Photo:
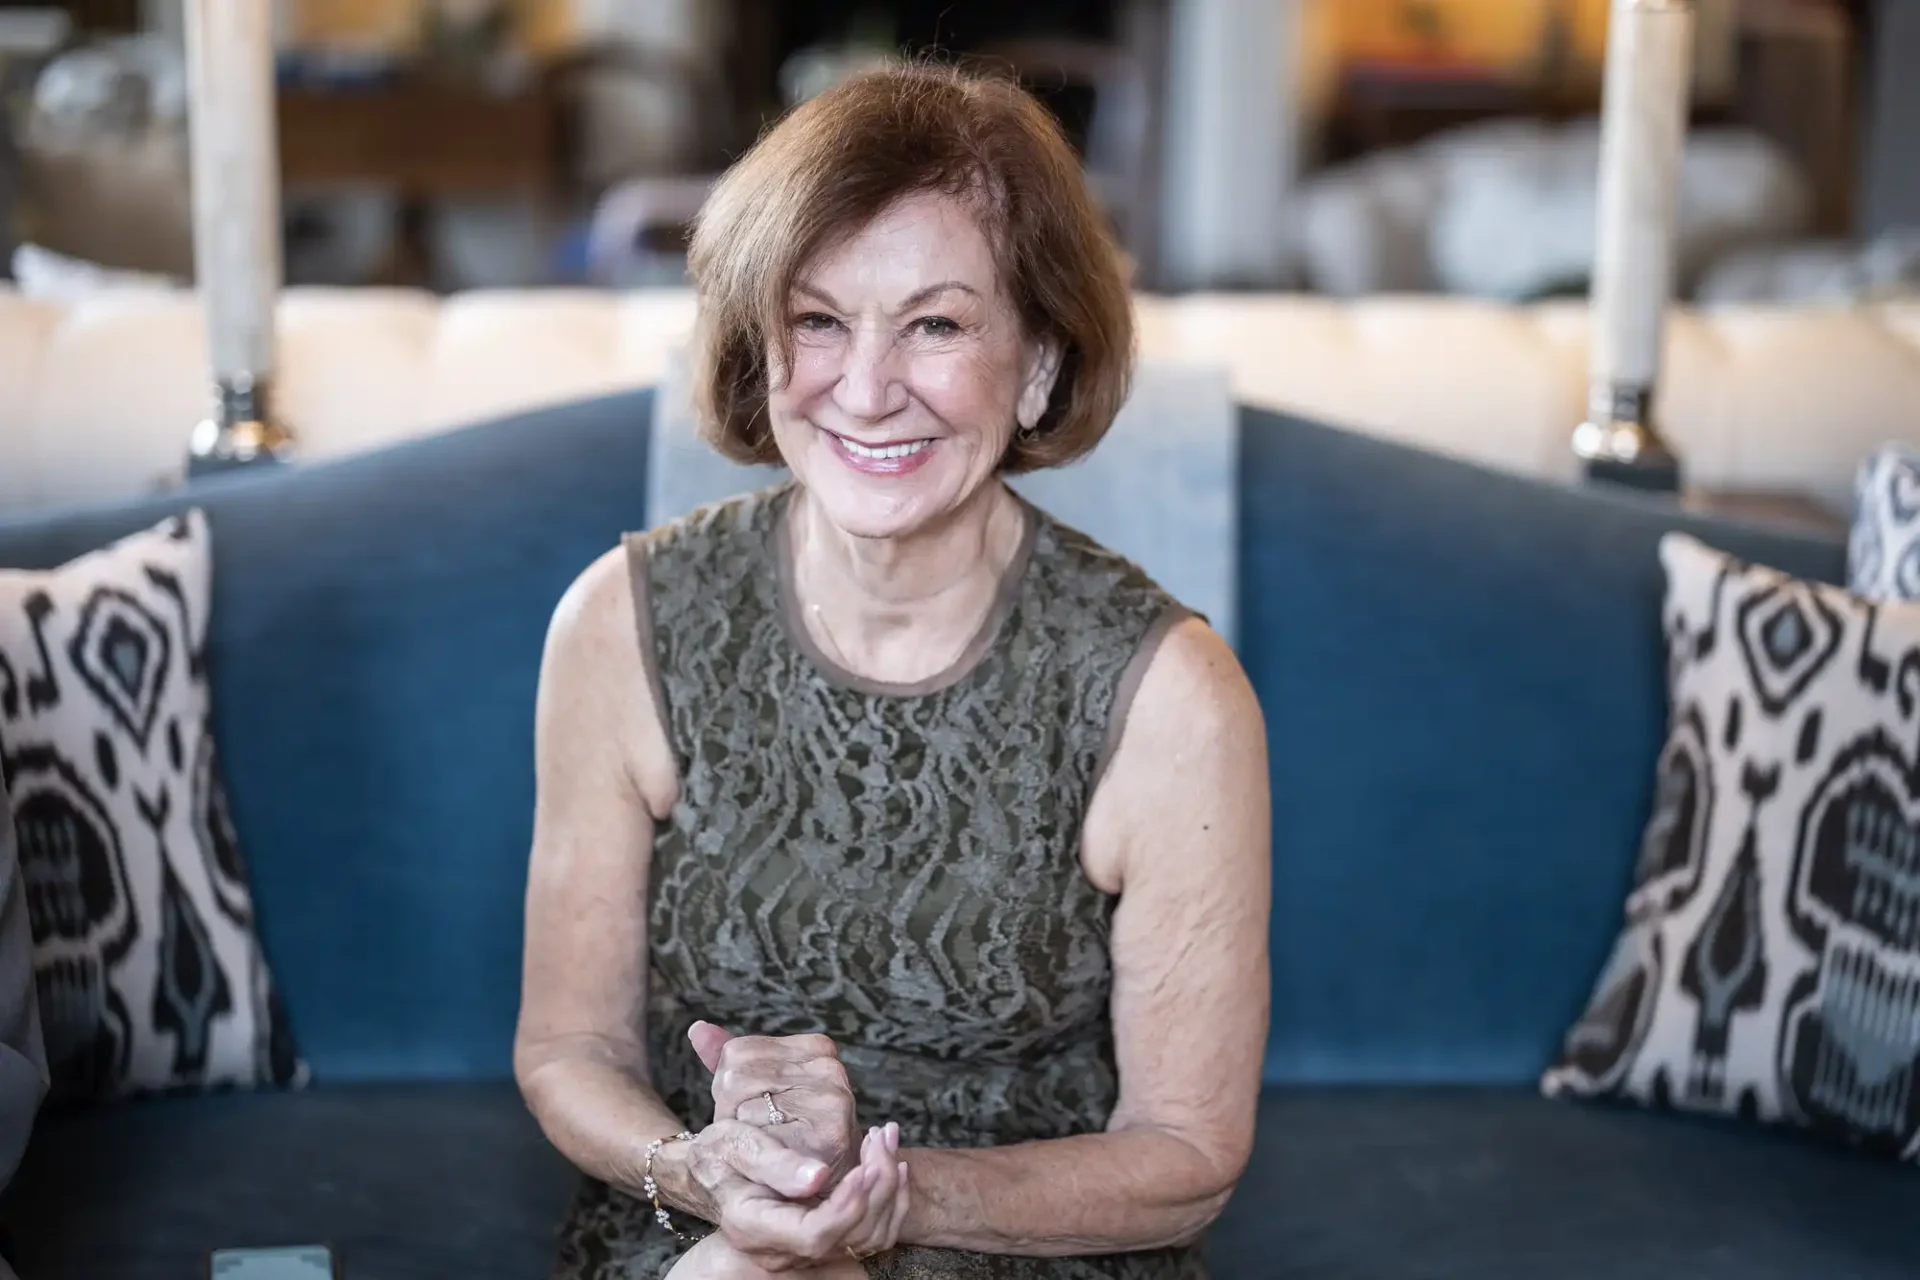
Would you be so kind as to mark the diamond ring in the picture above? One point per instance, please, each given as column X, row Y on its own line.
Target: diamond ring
column 774, row 1114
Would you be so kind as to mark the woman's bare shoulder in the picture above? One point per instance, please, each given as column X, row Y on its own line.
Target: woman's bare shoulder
column 595, row 685
column 599, row 598
column 1188, row 781
column 1195, row 693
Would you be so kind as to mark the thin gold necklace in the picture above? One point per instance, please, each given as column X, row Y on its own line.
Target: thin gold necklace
column 847, row 663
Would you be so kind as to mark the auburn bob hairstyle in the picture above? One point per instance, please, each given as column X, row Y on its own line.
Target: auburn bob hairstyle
column 839, row 160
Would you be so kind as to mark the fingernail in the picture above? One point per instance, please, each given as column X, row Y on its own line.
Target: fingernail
column 893, row 1135
column 811, row 1170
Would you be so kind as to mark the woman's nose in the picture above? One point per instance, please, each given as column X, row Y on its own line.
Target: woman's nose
column 869, row 385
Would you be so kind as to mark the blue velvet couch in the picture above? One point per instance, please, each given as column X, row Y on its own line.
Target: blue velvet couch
column 1462, row 675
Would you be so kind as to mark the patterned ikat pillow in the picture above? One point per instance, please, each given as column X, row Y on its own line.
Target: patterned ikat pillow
column 151, row 978
column 1769, row 962
column 1883, row 554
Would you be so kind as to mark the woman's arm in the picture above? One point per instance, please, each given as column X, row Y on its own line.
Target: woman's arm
column 602, row 771
column 1180, row 828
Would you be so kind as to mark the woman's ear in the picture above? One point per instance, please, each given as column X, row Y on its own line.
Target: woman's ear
column 1036, row 390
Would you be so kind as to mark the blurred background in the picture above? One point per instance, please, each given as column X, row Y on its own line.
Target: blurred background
column 1340, row 147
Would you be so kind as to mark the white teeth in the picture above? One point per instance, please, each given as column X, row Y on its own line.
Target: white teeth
column 885, row 451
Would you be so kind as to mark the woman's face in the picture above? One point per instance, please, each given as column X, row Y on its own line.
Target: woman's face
column 911, row 371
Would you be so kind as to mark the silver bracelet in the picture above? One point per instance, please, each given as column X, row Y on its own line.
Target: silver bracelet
column 652, row 1188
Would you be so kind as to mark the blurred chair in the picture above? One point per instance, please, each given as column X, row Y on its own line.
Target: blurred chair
column 633, row 238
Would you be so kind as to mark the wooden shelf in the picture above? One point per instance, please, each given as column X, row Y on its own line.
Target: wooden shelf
column 424, row 138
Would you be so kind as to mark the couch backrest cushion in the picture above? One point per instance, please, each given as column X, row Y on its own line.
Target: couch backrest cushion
column 1462, row 677
column 376, row 637
column 94, row 394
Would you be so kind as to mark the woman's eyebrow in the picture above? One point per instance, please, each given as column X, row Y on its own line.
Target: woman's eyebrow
column 913, row 300
column 935, row 290
column 819, row 295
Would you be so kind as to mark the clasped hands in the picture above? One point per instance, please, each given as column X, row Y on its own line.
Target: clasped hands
column 808, row 1189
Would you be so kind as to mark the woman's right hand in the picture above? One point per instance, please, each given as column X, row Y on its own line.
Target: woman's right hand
column 764, row 1196
column 801, row 1076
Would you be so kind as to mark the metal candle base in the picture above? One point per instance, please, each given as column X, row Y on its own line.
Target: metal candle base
column 1619, row 445
column 241, row 433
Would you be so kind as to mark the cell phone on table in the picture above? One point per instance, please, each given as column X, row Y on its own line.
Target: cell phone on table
column 291, row 1262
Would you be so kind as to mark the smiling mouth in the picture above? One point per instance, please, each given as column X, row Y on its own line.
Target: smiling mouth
column 905, row 449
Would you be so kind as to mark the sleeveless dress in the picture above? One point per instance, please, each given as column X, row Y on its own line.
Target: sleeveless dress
column 894, row 865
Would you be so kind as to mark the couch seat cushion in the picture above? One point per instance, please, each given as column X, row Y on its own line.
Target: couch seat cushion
column 427, row 1181
column 1345, row 1184
column 1442, row 1184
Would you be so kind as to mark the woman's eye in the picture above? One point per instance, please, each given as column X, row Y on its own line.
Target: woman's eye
column 937, row 326
column 814, row 322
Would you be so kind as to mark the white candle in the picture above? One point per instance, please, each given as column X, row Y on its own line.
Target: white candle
column 1642, row 140
column 236, row 182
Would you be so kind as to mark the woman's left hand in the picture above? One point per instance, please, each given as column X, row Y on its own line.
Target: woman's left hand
column 888, row 1195
column 803, row 1077
column 860, row 1217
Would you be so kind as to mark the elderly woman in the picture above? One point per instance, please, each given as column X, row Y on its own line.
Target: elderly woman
column 898, row 897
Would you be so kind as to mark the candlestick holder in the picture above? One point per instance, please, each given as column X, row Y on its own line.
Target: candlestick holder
column 1643, row 128
column 241, row 432
column 1619, row 444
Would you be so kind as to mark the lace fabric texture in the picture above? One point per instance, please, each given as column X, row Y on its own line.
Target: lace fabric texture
column 897, row 867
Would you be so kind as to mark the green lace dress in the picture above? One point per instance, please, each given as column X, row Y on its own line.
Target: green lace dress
column 895, row 865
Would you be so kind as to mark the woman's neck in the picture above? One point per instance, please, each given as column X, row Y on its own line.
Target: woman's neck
column 901, row 610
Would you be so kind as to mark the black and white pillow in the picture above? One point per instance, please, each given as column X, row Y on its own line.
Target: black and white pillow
column 1883, row 554
column 151, row 977
column 1769, row 966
